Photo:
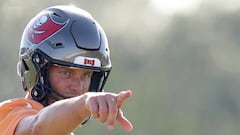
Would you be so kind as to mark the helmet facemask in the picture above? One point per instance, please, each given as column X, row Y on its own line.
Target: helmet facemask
column 43, row 92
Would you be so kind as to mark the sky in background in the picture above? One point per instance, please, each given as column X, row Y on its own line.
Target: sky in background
column 171, row 7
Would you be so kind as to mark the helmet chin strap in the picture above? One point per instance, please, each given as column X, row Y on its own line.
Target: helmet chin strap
column 44, row 94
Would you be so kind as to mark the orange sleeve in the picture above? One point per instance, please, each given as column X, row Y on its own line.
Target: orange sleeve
column 12, row 111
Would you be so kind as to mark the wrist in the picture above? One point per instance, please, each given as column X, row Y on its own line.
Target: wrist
column 82, row 107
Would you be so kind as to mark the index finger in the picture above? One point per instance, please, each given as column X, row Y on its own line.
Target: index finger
column 122, row 96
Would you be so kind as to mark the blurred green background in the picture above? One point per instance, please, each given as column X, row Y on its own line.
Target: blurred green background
column 181, row 60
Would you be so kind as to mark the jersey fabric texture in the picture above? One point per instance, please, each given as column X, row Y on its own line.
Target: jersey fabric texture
column 13, row 110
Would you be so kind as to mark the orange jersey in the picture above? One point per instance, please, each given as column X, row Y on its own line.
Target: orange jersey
column 12, row 111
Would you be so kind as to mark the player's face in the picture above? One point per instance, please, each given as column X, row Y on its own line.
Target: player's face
column 69, row 82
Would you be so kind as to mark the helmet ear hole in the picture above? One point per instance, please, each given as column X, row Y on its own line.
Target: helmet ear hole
column 21, row 68
column 25, row 67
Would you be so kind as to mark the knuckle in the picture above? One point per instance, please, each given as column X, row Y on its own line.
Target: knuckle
column 109, row 96
column 94, row 113
column 114, row 109
column 102, row 118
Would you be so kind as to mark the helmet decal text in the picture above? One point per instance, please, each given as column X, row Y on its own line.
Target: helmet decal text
column 87, row 61
column 42, row 28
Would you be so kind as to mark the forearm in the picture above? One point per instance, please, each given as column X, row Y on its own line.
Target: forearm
column 63, row 116
column 59, row 118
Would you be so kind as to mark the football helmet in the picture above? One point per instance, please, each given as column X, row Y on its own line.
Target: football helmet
column 66, row 36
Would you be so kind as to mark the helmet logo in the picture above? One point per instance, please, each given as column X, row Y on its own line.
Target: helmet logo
column 42, row 28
